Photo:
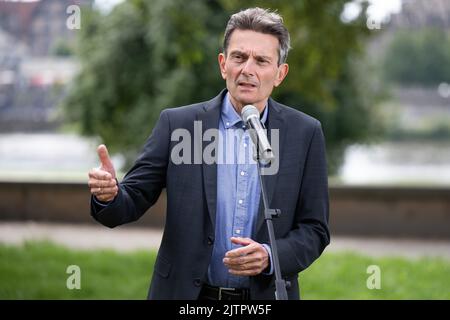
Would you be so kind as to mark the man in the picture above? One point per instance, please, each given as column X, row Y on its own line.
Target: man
column 215, row 244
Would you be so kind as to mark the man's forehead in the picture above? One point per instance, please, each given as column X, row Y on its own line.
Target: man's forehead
column 255, row 42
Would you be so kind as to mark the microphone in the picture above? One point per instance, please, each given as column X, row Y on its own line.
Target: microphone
column 250, row 116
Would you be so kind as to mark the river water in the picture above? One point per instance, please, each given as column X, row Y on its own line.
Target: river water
column 65, row 157
column 60, row 157
column 397, row 163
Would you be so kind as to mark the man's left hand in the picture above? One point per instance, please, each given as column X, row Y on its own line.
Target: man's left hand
column 249, row 260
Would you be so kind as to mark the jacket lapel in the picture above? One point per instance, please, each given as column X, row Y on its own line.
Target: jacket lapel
column 209, row 118
column 275, row 121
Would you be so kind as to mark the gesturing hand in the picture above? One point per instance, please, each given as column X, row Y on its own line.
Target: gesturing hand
column 249, row 260
column 102, row 181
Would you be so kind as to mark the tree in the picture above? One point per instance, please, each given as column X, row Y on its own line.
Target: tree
column 418, row 58
column 149, row 55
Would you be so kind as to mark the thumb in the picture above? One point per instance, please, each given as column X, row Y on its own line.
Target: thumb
column 241, row 241
column 106, row 163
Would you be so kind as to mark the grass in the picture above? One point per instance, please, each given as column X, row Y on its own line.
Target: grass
column 344, row 276
column 37, row 270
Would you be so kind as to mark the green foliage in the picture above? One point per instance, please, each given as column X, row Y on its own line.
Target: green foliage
column 344, row 276
column 421, row 57
column 62, row 49
column 141, row 58
column 38, row 271
column 149, row 55
column 435, row 132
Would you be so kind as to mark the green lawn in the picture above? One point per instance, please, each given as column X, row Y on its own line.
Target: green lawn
column 38, row 271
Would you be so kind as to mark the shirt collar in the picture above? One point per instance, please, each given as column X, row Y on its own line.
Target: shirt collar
column 231, row 118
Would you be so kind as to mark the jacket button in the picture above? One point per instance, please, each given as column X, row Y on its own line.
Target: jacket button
column 210, row 240
column 197, row 282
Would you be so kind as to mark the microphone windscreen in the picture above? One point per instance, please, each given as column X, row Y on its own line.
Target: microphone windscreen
column 248, row 111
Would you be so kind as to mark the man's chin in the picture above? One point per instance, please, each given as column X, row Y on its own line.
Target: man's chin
column 241, row 99
column 246, row 99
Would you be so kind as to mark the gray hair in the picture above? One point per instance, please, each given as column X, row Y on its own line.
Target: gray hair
column 263, row 21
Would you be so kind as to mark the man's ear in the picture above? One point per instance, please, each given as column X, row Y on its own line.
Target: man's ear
column 283, row 70
column 221, row 58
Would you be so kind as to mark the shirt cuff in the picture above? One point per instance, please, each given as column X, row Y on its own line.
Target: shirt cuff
column 269, row 251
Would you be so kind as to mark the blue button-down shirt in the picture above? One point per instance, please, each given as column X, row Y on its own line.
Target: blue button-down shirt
column 238, row 194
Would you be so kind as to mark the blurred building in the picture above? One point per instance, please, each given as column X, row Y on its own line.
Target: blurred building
column 40, row 25
column 421, row 13
column 35, row 61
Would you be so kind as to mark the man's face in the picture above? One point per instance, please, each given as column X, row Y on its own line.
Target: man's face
column 250, row 68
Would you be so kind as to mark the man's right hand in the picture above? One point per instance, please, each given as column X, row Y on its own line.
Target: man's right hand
column 102, row 181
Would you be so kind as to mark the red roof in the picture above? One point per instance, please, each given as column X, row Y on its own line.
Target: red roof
column 22, row 11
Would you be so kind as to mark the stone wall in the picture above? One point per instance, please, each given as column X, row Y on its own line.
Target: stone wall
column 362, row 211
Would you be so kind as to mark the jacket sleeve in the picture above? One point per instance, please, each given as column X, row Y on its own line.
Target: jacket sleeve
column 142, row 185
column 310, row 235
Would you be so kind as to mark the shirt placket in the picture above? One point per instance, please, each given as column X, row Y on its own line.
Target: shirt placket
column 241, row 205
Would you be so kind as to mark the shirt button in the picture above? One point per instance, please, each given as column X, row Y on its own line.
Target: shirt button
column 242, row 173
column 241, row 201
column 228, row 123
column 245, row 145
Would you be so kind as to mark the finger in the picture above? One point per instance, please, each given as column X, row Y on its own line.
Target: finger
column 100, row 174
column 241, row 241
column 99, row 189
column 105, row 160
column 252, row 259
column 239, row 260
column 105, row 198
column 246, row 266
column 106, row 191
column 242, row 251
column 257, row 267
column 96, row 183
column 103, row 155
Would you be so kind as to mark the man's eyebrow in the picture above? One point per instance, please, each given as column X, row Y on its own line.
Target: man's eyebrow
column 263, row 57
column 238, row 52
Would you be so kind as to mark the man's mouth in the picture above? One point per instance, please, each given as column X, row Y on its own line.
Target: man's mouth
column 246, row 84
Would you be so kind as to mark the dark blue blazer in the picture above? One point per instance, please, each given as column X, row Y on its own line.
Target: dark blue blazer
column 299, row 189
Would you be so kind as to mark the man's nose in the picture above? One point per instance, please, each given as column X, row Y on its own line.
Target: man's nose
column 248, row 68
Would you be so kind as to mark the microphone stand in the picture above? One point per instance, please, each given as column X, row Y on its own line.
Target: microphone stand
column 269, row 214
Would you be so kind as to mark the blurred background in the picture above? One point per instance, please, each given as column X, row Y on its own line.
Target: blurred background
column 74, row 74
